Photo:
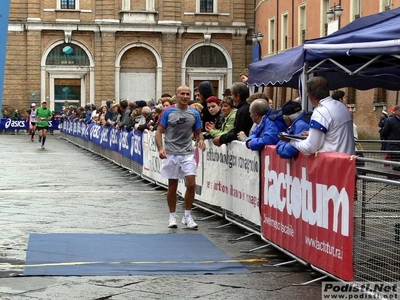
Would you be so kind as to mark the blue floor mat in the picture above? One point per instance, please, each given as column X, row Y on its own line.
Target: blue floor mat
column 76, row 254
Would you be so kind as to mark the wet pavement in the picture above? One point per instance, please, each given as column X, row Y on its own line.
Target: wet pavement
column 65, row 189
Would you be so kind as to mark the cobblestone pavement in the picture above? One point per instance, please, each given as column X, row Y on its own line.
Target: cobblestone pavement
column 65, row 189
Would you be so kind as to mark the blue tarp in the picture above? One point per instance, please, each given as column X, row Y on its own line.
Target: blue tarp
column 86, row 254
column 359, row 55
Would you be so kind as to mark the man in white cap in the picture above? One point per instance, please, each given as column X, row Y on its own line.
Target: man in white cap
column 43, row 116
column 32, row 120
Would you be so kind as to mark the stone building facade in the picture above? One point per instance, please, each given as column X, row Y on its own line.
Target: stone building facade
column 288, row 23
column 84, row 51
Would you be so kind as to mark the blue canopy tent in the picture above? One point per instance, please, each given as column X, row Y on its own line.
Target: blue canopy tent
column 364, row 54
column 281, row 69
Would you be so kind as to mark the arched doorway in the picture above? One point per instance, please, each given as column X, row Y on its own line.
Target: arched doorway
column 211, row 62
column 138, row 73
column 67, row 75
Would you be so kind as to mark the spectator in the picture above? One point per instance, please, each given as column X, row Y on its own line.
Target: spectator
column 151, row 103
column 381, row 124
column 197, row 106
column 331, row 126
column 269, row 124
column 131, row 105
column 156, row 114
column 136, row 116
column 297, row 121
column 166, row 101
column 125, row 114
column 115, row 115
column 6, row 115
column 197, row 98
column 205, row 90
column 109, row 115
column 241, row 135
column 148, row 119
column 229, row 112
column 243, row 122
column 101, row 117
column 80, row 114
column 391, row 131
column 88, row 114
column 227, row 93
column 244, row 76
column 16, row 116
column 214, row 107
column 340, row 96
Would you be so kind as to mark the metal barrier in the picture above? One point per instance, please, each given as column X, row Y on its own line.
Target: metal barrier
column 377, row 217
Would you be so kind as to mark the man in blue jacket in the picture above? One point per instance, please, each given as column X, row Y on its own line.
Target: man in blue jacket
column 297, row 121
column 269, row 124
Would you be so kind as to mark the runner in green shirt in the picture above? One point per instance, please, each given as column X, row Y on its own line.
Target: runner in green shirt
column 43, row 116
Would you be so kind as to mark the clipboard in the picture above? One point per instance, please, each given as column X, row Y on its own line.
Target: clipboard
column 292, row 136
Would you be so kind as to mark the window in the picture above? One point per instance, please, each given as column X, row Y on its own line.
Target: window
column 67, row 54
column 380, row 95
column 285, row 31
column 271, row 36
column 302, row 24
column 386, row 5
column 206, row 6
column 356, row 8
column 206, row 57
column 351, row 95
column 67, row 4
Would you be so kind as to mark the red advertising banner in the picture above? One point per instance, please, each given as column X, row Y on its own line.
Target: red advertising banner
column 307, row 208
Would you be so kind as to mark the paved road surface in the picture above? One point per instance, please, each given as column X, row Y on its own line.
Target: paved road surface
column 64, row 189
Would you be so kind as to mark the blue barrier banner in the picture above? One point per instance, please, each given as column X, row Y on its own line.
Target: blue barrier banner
column 125, row 138
column 94, row 133
column 104, row 137
column 4, row 15
column 114, row 139
column 136, row 147
column 22, row 124
column 127, row 143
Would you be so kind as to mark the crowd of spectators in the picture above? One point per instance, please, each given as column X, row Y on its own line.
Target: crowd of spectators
column 237, row 116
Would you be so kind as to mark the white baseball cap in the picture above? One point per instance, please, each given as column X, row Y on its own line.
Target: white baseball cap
column 33, row 104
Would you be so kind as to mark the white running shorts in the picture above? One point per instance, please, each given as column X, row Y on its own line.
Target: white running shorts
column 178, row 166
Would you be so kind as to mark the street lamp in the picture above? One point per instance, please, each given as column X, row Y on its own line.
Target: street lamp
column 257, row 38
column 335, row 11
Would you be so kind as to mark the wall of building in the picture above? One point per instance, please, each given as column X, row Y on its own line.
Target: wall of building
column 367, row 112
column 167, row 29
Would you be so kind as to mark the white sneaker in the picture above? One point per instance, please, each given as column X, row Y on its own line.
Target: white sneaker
column 189, row 222
column 42, row 146
column 172, row 222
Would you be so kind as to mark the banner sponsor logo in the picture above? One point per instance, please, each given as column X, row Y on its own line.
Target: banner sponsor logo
column 95, row 132
column 123, row 142
column 135, row 145
column 113, row 137
column 308, row 210
column 15, row 124
column 104, row 135
column 299, row 200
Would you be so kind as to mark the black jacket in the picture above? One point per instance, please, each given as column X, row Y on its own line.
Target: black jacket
column 391, row 131
column 243, row 122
